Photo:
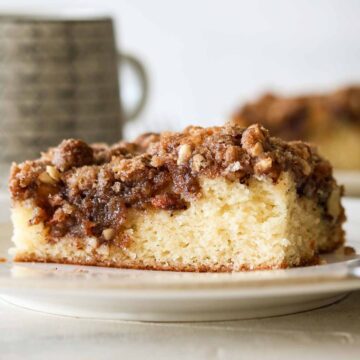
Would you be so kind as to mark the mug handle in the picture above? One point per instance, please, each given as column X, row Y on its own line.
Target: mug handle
column 139, row 70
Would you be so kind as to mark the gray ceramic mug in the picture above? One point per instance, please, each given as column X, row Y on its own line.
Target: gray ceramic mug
column 59, row 78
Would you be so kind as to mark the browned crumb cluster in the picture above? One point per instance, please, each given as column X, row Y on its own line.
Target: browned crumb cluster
column 296, row 117
column 83, row 189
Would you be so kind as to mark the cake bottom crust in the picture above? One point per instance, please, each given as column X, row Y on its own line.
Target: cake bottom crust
column 157, row 266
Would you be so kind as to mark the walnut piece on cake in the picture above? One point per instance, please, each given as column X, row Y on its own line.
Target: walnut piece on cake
column 331, row 121
column 205, row 199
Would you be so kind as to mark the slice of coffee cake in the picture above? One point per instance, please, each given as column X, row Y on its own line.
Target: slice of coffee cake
column 206, row 199
column 331, row 121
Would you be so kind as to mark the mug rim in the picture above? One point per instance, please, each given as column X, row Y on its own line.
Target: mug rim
column 18, row 17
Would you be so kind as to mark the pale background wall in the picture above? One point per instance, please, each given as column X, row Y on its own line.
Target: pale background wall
column 204, row 57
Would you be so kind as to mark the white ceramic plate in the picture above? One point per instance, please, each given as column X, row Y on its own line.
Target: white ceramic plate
column 168, row 296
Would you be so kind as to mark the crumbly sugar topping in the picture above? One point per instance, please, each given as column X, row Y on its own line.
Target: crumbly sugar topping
column 295, row 117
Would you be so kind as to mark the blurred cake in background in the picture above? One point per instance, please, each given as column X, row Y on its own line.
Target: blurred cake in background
column 331, row 121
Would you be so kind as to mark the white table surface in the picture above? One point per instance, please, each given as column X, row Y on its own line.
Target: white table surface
column 328, row 333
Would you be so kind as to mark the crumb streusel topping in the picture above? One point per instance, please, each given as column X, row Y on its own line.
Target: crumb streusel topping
column 295, row 117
